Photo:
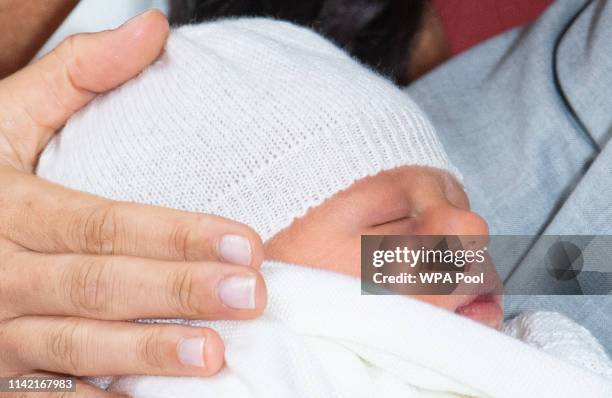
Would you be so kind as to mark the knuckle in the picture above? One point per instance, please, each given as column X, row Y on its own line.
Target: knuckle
column 91, row 286
column 15, row 202
column 67, row 45
column 179, row 240
column 13, row 353
column 64, row 345
column 13, row 286
column 67, row 51
column 187, row 241
column 149, row 349
column 181, row 292
column 98, row 230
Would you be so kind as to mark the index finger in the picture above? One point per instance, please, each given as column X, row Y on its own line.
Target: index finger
column 48, row 218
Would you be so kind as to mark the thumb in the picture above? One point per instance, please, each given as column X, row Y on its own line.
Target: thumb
column 40, row 98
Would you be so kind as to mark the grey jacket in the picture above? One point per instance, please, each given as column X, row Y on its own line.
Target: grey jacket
column 527, row 117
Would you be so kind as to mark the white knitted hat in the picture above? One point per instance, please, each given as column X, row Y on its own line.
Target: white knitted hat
column 252, row 119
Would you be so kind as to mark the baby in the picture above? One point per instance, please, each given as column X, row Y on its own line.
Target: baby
column 273, row 126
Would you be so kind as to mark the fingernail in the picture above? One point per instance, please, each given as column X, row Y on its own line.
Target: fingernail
column 235, row 249
column 191, row 351
column 238, row 292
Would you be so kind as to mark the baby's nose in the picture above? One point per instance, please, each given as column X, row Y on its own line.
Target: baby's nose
column 446, row 219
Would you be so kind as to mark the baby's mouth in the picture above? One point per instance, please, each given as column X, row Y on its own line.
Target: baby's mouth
column 483, row 308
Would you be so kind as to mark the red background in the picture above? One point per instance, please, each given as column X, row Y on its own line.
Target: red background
column 468, row 22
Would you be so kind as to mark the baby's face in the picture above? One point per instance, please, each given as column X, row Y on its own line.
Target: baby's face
column 408, row 200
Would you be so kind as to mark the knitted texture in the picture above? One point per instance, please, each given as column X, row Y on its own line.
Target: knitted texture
column 561, row 337
column 252, row 119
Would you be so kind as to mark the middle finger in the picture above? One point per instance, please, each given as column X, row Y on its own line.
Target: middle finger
column 121, row 287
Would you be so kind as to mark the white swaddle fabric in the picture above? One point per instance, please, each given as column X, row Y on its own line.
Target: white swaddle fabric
column 319, row 337
column 561, row 337
column 258, row 121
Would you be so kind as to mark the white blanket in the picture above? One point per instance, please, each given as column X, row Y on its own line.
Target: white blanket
column 319, row 337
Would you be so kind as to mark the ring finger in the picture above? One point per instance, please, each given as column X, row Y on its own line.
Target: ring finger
column 87, row 347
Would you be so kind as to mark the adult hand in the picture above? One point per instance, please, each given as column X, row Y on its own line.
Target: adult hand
column 74, row 267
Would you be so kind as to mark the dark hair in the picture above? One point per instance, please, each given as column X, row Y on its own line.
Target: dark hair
column 377, row 32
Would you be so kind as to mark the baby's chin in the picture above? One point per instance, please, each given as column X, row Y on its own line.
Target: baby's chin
column 485, row 308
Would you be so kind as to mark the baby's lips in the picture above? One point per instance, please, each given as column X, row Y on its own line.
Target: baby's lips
column 486, row 309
